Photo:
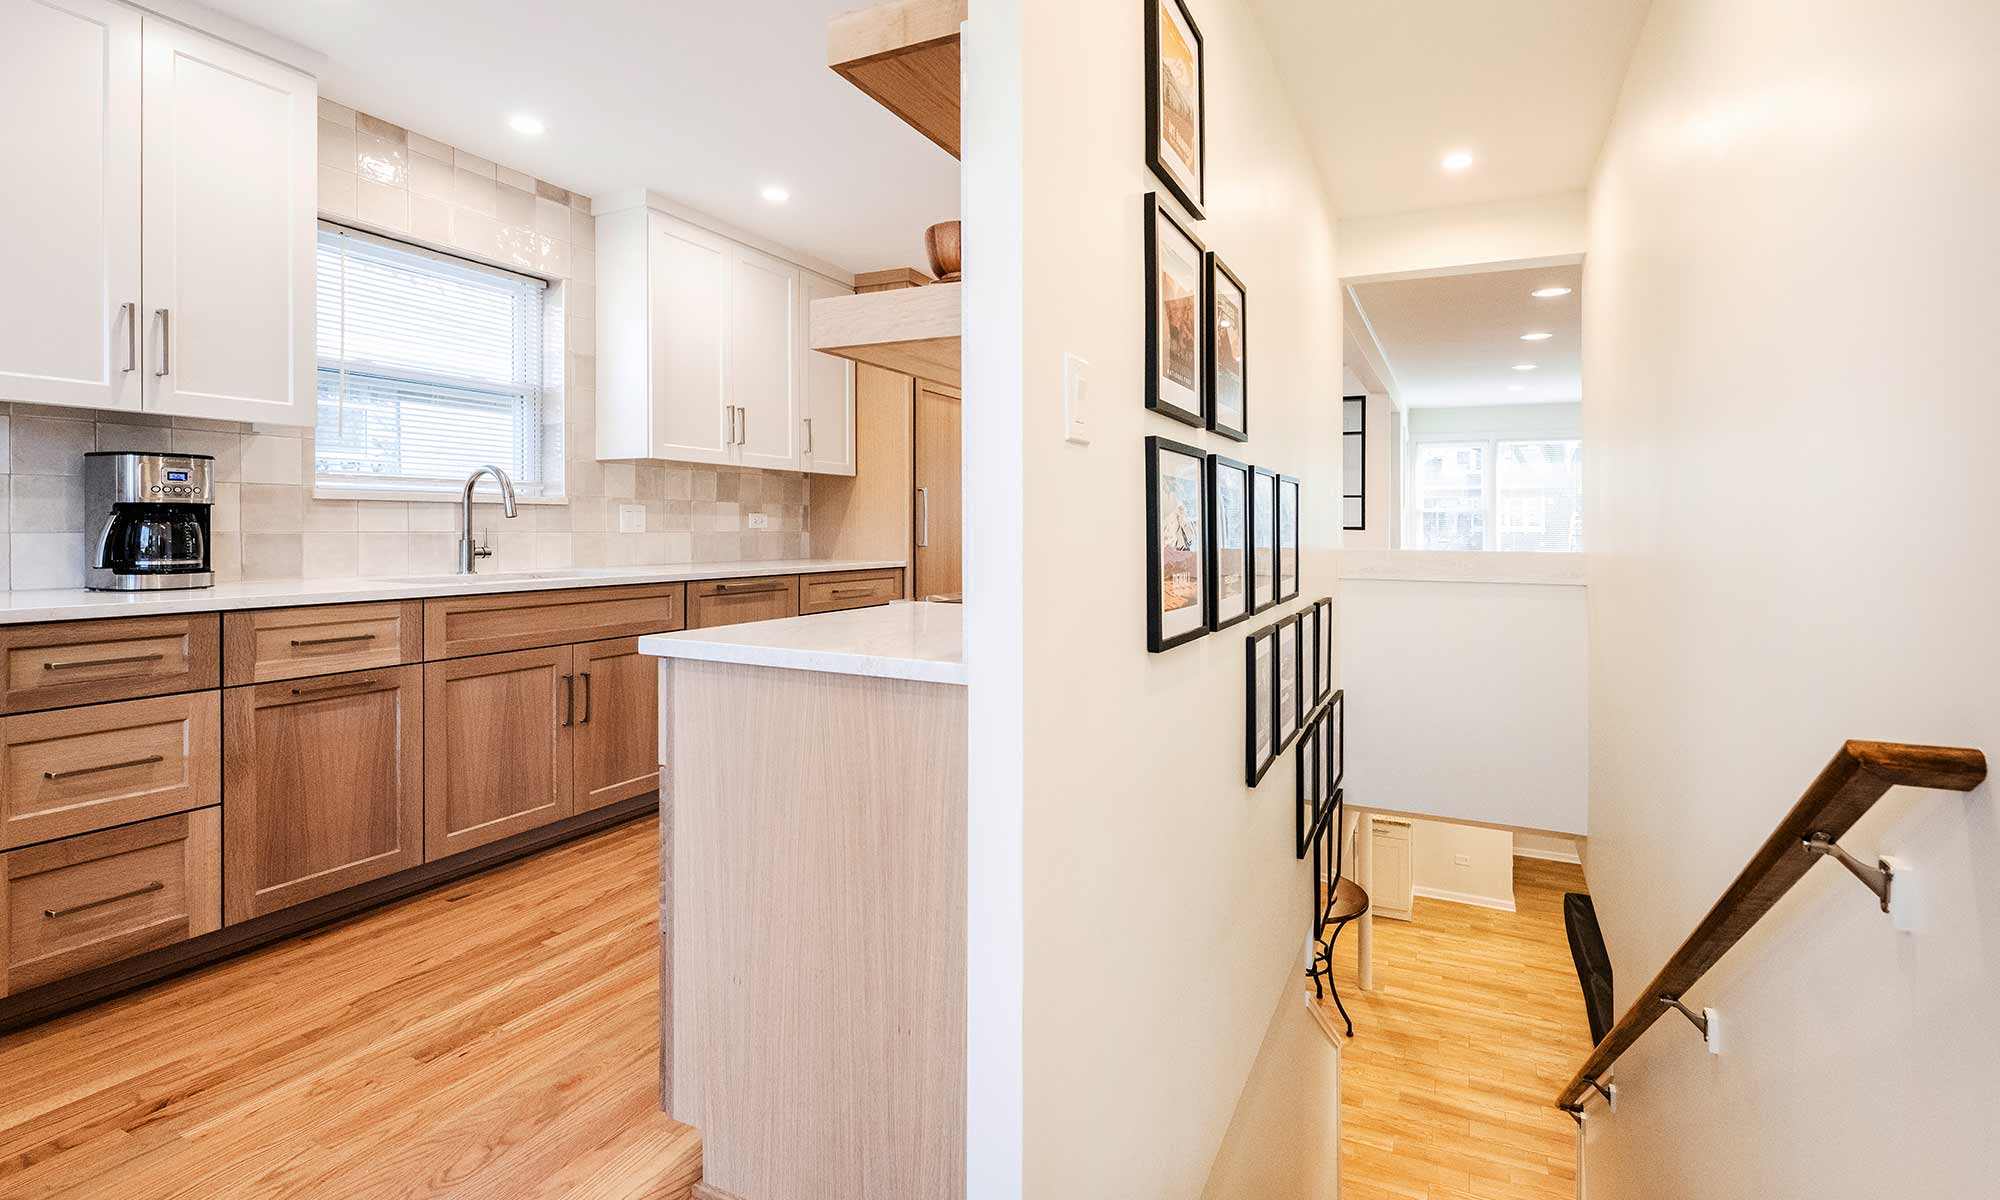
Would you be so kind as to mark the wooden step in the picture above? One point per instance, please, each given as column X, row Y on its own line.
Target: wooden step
column 911, row 330
column 904, row 54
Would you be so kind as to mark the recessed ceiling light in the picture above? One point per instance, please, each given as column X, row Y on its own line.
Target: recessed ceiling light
column 1457, row 160
column 1524, row 366
column 1536, row 337
column 773, row 194
column 1517, row 387
column 526, row 125
column 1549, row 293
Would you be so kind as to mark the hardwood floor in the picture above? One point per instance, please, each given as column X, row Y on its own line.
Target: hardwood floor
column 494, row 1038
column 1475, row 1023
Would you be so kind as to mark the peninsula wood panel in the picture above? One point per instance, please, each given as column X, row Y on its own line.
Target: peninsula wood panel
column 75, row 770
column 287, row 643
column 939, row 475
column 498, row 731
column 848, row 589
column 88, row 662
column 461, row 625
column 735, row 601
column 814, row 931
column 617, row 723
column 325, row 786
column 73, row 904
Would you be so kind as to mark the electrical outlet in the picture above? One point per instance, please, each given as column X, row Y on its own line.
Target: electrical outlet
column 760, row 520
column 631, row 518
column 1463, row 860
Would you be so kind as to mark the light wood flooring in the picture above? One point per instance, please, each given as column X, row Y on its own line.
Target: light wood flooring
column 1475, row 1023
column 493, row 1038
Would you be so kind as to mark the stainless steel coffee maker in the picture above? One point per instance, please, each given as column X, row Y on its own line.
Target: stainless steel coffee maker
column 147, row 520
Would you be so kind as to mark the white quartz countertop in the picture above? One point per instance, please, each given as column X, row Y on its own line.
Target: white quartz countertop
column 74, row 604
column 904, row 640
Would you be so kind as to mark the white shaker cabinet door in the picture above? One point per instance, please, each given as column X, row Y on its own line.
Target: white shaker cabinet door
column 763, row 359
column 829, row 391
column 687, row 326
column 230, row 200
column 69, row 218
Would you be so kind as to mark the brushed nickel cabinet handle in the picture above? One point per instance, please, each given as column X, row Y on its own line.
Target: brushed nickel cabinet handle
column 747, row 589
column 853, row 591
column 335, row 686
column 809, row 435
column 569, row 701
column 131, row 336
column 166, row 340
column 73, row 772
column 923, row 516
column 334, row 641
column 729, row 422
column 102, row 662
column 585, row 719
column 53, row 913
column 742, row 425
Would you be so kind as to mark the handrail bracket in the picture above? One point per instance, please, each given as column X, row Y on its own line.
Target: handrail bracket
column 1698, row 1019
column 1879, row 877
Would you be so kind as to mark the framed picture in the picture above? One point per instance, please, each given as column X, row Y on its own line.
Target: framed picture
column 1176, row 103
column 1260, row 718
column 1174, row 308
column 1323, row 668
column 1288, row 537
column 1228, row 394
column 1308, row 801
column 1263, row 539
column 1228, row 541
column 1309, row 637
column 1285, row 689
column 1333, row 745
column 1176, row 543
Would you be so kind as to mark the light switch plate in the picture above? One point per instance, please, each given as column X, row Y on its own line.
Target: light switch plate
column 631, row 518
column 760, row 520
column 1076, row 396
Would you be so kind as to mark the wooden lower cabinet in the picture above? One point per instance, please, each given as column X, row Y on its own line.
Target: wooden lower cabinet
column 735, row 601
column 73, row 904
column 498, row 730
column 75, row 770
column 617, row 723
column 324, row 786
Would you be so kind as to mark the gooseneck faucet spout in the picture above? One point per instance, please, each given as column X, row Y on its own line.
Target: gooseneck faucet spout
column 470, row 551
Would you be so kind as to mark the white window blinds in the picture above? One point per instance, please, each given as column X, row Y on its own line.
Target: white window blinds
column 429, row 365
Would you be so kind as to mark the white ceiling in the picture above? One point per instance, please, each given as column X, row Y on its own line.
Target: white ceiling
column 1453, row 340
column 706, row 103
column 1385, row 88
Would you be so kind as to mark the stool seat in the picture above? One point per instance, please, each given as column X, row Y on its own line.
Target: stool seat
column 1349, row 901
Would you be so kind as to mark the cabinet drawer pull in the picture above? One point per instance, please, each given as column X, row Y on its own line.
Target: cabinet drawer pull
column 53, row 913
column 102, row 662
column 855, row 591
column 585, row 718
column 131, row 336
column 569, row 701
column 166, row 342
column 73, row 772
column 747, row 589
column 333, row 641
column 337, row 685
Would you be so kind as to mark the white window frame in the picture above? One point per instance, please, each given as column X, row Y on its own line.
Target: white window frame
column 1413, row 515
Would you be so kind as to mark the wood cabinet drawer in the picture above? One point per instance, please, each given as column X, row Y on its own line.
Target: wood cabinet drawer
column 456, row 626
column 848, row 589
column 87, row 662
column 74, row 904
column 80, row 769
column 734, row 601
column 287, row 643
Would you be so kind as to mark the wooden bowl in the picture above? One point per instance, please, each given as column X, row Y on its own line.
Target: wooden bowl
column 941, row 241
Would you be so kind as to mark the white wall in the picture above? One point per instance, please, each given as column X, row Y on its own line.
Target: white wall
column 1137, row 912
column 1795, row 529
column 1485, row 877
column 1546, row 229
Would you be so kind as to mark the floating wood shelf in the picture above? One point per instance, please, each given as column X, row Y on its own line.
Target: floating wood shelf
column 904, row 54
column 911, row 330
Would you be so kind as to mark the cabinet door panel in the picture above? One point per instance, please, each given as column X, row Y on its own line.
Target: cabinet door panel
column 939, row 485
column 829, row 393
column 498, row 731
column 764, row 346
column 324, row 786
column 617, row 723
column 69, row 84
column 688, row 316
column 230, row 209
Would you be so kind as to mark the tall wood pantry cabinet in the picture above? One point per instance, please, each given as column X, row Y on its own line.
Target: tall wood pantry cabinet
column 161, row 247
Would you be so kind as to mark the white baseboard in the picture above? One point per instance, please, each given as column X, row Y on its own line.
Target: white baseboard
column 1549, row 855
column 1463, row 898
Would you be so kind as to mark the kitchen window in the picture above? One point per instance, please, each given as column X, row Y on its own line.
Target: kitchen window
column 429, row 366
column 1499, row 493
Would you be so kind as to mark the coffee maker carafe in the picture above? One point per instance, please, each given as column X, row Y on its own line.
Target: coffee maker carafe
column 147, row 517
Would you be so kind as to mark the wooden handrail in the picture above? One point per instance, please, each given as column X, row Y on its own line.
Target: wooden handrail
column 1849, row 786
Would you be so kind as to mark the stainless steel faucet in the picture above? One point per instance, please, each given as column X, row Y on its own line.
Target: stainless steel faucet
column 470, row 551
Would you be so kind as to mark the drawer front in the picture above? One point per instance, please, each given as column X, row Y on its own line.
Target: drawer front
column 289, row 643
column 82, row 769
column 88, row 662
column 848, row 589
column 89, row 900
column 462, row 625
column 735, row 601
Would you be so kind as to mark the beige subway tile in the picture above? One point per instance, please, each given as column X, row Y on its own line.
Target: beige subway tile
column 476, row 193
column 430, row 219
column 582, row 265
column 432, row 553
column 381, row 159
column 474, row 164
column 45, row 560
column 273, row 508
column 272, row 555
column 582, row 230
column 509, row 177
column 269, row 458
column 428, row 147
column 384, row 205
column 475, row 234
column 589, row 549
column 377, row 127
column 336, row 145
column 225, row 448
column 225, row 512
column 330, row 555
column 553, row 550
column 336, row 192
column 514, row 206
column 337, row 114
column 45, row 504
column 430, row 177
column 550, row 191
column 149, row 439
column 551, row 218
column 551, row 256
column 330, row 516
column 43, row 446
column 433, row 517
column 579, row 203
column 382, row 555
column 382, row 516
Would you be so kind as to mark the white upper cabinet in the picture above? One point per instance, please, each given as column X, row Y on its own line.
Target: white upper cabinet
column 828, row 447
column 689, row 334
column 230, row 198
column 764, row 376
column 69, row 220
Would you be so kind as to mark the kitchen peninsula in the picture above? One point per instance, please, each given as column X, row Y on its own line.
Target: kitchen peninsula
column 813, row 901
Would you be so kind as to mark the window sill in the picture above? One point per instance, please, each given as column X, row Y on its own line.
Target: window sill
column 485, row 493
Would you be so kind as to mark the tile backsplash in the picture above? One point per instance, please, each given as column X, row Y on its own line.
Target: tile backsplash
column 268, row 524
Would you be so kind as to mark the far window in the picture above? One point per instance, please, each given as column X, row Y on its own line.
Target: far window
column 1499, row 494
column 429, row 366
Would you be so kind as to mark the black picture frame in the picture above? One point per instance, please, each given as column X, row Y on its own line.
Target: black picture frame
column 1323, row 666
column 1155, row 131
column 1257, row 701
column 1309, row 637
column 1158, row 636
column 1288, row 486
column 1219, row 523
column 1306, row 806
column 1156, row 400
column 1214, row 321
column 1263, row 532
column 1333, row 734
column 1282, row 706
